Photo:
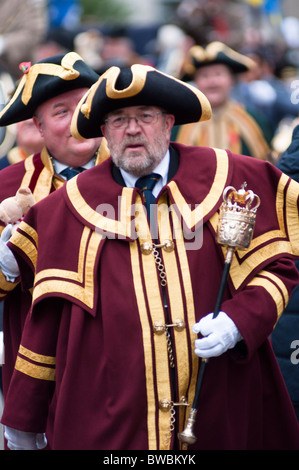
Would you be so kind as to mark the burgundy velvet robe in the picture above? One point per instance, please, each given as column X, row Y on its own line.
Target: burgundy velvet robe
column 37, row 173
column 93, row 371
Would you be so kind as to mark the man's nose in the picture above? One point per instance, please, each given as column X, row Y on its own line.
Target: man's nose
column 133, row 124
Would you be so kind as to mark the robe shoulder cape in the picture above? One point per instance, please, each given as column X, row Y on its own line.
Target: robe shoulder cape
column 98, row 290
column 35, row 172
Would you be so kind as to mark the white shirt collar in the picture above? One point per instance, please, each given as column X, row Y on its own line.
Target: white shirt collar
column 59, row 167
column 161, row 169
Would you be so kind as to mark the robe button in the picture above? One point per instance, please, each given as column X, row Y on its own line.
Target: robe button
column 159, row 327
column 166, row 404
column 146, row 248
column 168, row 246
column 178, row 325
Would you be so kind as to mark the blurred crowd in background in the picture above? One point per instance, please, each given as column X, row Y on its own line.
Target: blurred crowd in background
column 105, row 33
column 31, row 30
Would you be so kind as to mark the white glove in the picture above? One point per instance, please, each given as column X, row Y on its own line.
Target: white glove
column 8, row 264
column 20, row 440
column 220, row 334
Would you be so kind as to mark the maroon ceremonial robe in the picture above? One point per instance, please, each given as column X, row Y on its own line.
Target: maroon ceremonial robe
column 94, row 369
column 37, row 173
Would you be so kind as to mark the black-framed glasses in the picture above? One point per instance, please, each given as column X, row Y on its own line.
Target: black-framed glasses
column 143, row 118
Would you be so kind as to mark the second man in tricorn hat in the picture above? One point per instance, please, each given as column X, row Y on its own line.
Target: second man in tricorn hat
column 48, row 92
column 214, row 70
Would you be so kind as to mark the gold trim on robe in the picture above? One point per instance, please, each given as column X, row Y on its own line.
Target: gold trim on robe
column 35, row 365
column 78, row 284
column 150, row 306
column 42, row 187
column 6, row 286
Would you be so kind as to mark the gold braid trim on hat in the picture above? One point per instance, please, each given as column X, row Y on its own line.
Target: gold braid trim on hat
column 111, row 75
column 208, row 54
column 139, row 73
column 65, row 71
column 138, row 81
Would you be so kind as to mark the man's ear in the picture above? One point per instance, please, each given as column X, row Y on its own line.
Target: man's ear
column 102, row 127
column 38, row 124
column 170, row 120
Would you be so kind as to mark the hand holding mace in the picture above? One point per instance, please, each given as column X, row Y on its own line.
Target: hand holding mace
column 235, row 230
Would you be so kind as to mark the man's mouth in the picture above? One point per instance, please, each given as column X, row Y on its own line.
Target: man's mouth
column 134, row 146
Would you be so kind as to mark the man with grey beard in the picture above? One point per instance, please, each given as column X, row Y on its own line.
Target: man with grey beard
column 121, row 316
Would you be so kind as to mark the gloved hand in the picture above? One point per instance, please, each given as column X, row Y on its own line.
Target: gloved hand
column 20, row 440
column 8, row 264
column 220, row 334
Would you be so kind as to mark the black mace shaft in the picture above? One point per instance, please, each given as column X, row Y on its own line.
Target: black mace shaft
column 215, row 313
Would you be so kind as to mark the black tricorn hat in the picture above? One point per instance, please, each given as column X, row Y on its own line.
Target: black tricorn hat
column 215, row 53
column 138, row 85
column 42, row 81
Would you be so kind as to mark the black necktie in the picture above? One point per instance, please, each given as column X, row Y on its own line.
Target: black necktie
column 70, row 172
column 146, row 184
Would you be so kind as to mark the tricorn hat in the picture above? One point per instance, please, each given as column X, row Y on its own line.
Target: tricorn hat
column 137, row 85
column 42, row 81
column 215, row 53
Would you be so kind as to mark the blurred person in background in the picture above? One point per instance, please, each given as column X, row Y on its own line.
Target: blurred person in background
column 7, row 133
column 269, row 87
column 172, row 45
column 285, row 336
column 212, row 20
column 213, row 70
column 23, row 25
column 28, row 141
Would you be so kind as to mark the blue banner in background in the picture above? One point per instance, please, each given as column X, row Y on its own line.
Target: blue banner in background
column 272, row 6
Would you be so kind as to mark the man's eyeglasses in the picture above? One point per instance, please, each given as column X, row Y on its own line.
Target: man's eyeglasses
column 146, row 118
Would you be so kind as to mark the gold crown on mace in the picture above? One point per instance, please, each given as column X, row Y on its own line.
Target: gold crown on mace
column 237, row 217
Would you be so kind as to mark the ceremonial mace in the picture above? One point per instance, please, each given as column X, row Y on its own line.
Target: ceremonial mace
column 235, row 229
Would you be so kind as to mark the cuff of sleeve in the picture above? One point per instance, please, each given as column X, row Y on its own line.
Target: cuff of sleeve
column 6, row 286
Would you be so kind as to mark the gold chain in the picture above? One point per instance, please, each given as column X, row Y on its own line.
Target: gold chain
column 171, row 423
column 160, row 266
column 169, row 349
column 167, row 405
column 163, row 282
